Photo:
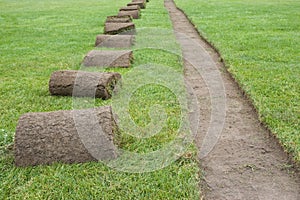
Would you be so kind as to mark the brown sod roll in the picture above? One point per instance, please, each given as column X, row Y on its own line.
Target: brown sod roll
column 140, row 0
column 141, row 4
column 65, row 136
column 128, row 8
column 135, row 14
column 106, row 58
column 114, row 41
column 119, row 28
column 118, row 19
column 83, row 84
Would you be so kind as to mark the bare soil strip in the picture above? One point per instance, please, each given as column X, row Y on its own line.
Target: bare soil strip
column 247, row 162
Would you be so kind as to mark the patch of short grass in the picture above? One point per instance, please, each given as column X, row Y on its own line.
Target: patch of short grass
column 259, row 41
column 39, row 37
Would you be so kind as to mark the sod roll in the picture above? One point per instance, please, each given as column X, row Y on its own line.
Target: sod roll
column 113, row 28
column 127, row 8
column 141, row 4
column 115, row 41
column 118, row 19
column 74, row 136
column 108, row 58
column 83, row 84
column 135, row 14
column 140, row 1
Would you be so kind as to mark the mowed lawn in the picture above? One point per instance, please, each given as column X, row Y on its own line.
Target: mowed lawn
column 39, row 37
column 260, row 43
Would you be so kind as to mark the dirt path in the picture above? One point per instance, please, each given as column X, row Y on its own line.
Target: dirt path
column 246, row 162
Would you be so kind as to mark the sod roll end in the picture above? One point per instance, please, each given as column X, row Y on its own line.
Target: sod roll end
column 113, row 28
column 140, row 3
column 135, row 14
column 106, row 58
column 115, row 41
column 83, row 84
column 75, row 136
column 118, row 19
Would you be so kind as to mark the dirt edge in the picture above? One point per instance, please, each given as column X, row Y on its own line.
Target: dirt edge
column 222, row 61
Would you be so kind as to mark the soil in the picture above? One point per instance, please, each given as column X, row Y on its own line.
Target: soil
column 247, row 162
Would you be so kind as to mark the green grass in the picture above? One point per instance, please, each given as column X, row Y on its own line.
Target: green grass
column 39, row 37
column 260, row 42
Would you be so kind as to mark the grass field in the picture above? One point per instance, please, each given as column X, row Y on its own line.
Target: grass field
column 39, row 37
column 260, row 42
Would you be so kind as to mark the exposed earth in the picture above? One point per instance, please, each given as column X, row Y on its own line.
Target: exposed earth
column 246, row 162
